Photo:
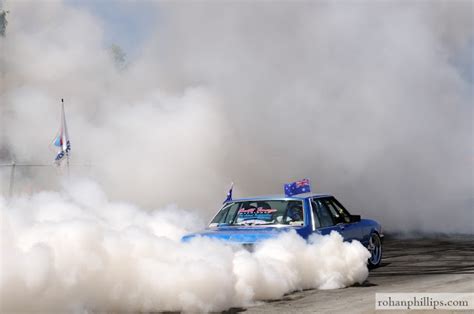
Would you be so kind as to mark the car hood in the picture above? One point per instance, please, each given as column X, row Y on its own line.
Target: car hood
column 241, row 235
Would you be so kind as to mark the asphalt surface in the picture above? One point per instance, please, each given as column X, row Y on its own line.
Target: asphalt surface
column 436, row 264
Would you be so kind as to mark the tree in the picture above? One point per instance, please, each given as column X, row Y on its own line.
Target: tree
column 3, row 22
column 118, row 55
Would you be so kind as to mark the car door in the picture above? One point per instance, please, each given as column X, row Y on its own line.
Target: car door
column 351, row 230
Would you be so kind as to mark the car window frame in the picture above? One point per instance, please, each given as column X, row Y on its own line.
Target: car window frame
column 315, row 223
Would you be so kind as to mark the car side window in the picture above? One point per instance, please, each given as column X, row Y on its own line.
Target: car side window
column 231, row 213
column 224, row 214
column 340, row 206
column 341, row 210
column 338, row 213
column 323, row 215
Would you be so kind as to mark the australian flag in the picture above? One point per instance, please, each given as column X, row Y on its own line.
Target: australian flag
column 297, row 187
column 229, row 194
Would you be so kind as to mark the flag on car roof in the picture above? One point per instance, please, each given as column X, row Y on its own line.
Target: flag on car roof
column 229, row 194
column 297, row 187
column 61, row 141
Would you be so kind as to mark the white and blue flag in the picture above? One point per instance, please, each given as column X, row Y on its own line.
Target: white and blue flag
column 229, row 194
column 61, row 141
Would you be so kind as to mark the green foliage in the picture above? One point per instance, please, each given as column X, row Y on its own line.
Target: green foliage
column 118, row 55
column 3, row 23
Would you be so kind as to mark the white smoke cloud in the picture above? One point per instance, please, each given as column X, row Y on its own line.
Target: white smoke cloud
column 74, row 250
column 370, row 101
column 373, row 102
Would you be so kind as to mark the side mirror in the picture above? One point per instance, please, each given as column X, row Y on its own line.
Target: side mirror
column 355, row 218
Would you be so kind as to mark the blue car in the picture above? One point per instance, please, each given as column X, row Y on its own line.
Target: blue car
column 250, row 220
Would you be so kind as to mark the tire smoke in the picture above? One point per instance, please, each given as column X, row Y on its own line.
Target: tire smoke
column 373, row 102
column 75, row 251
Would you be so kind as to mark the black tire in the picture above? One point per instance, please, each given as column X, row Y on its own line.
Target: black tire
column 375, row 249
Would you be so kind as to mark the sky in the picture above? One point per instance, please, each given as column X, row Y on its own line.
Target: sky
column 129, row 24
column 126, row 23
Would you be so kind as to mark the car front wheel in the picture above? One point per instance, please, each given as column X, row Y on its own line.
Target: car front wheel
column 375, row 249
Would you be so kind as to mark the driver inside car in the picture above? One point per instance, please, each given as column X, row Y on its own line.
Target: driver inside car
column 295, row 213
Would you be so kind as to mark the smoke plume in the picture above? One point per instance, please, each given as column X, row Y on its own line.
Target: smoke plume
column 75, row 251
column 371, row 101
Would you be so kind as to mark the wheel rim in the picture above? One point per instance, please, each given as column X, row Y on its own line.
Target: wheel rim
column 375, row 248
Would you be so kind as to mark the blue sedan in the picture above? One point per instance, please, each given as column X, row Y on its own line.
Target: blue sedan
column 250, row 220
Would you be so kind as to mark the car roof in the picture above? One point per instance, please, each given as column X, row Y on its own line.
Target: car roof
column 282, row 197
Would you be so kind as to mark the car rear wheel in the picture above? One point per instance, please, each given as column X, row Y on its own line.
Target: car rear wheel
column 375, row 249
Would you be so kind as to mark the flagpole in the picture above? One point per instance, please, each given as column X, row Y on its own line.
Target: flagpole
column 67, row 152
column 67, row 164
column 12, row 180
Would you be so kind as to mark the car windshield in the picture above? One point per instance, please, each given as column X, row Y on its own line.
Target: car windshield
column 266, row 212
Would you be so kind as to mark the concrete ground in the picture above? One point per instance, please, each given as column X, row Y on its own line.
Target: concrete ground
column 437, row 264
